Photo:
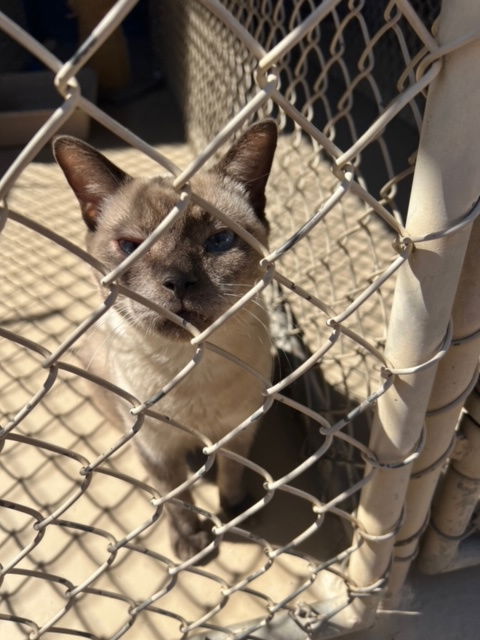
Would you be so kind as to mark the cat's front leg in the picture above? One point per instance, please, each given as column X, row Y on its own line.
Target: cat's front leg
column 189, row 535
column 234, row 497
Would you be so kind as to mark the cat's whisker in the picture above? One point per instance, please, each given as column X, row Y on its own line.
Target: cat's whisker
column 236, row 287
column 242, row 320
column 103, row 345
column 236, row 284
column 245, row 310
column 252, row 300
column 244, row 323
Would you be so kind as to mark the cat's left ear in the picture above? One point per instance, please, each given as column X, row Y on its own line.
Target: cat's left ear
column 249, row 161
column 90, row 174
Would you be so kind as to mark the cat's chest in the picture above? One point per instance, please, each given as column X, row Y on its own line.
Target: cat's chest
column 200, row 389
column 183, row 378
column 203, row 389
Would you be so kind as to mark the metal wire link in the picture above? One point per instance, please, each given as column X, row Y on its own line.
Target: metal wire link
column 82, row 518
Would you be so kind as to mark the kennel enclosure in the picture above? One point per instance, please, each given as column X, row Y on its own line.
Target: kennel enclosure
column 375, row 187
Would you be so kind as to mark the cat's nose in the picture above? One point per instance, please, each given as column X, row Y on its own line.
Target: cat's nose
column 179, row 283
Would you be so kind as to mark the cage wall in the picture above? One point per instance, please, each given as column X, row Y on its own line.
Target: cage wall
column 85, row 549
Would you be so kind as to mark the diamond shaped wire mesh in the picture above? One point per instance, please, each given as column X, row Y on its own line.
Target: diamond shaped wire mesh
column 83, row 533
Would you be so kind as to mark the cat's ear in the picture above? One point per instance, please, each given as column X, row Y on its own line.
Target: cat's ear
column 250, row 159
column 91, row 176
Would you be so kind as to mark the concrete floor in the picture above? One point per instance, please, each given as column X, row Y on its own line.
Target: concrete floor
column 443, row 607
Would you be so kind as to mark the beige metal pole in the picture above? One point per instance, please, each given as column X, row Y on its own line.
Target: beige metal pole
column 458, row 495
column 445, row 186
column 455, row 375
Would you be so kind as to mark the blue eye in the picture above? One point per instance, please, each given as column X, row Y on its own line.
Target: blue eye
column 127, row 246
column 220, row 242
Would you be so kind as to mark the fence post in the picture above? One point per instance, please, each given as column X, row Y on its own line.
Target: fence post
column 456, row 374
column 458, row 495
column 446, row 185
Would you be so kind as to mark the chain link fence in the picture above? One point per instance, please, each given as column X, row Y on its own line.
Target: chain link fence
column 349, row 451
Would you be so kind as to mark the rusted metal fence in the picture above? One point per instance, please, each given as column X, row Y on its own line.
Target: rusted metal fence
column 374, row 384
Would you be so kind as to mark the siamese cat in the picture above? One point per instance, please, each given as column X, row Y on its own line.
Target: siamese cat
column 196, row 269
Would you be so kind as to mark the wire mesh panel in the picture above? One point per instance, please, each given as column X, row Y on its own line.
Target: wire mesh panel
column 337, row 258
column 85, row 544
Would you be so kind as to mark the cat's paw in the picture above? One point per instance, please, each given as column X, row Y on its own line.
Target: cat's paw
column 188, row 545
column 230, row 511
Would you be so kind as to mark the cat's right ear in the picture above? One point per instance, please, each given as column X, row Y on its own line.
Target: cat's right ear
column 91, row 176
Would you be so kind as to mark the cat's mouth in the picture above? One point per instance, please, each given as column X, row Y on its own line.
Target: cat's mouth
column 193, row 317
column 171, row 330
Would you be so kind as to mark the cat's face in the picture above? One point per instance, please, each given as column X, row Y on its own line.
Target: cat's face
column 198, row 267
